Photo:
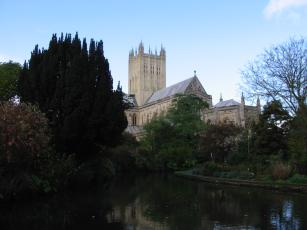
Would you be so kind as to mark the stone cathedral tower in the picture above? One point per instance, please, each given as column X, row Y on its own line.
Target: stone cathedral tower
column 147, row 73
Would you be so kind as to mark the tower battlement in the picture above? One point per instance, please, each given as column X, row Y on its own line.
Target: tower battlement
column 140, row 51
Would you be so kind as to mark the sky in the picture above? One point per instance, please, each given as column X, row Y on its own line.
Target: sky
column 216, row 38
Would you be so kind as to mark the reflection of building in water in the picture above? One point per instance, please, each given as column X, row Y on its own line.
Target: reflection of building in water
column 133, row 216
column 150, row 97
column 284, row 217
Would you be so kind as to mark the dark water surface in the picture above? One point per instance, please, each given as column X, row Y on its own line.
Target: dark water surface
column 161, row 202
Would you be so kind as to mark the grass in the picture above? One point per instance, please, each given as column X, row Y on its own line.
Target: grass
column 297, row 179
column 215, row 170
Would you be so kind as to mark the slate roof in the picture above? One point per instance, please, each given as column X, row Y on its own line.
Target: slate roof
column 130, row 99
column 226, row 103
column 178, row 88
column 133, row 129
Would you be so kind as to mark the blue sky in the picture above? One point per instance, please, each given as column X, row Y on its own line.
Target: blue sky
column 215, row 38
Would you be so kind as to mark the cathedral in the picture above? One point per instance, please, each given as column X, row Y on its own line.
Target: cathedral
column 149, row 97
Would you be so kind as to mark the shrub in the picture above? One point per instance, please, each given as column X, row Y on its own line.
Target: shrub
column 211, row 169
column 241, row 175
column 298, row 140
column 24, row 143
column 55, row 171
column 281, row 171
column 298, row 179
column 95, row 172
column 123, row 156
column 218, row 142
column 24, row 134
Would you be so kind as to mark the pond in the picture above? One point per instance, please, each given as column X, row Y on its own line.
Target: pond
column 161, row 202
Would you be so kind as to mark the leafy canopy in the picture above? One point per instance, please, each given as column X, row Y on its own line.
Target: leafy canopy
column 9, row 72
column 171, row 141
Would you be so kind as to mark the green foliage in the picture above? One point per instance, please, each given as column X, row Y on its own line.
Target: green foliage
column 123, row 156
column 55, row 172
column 271, row 133
column 298, row 140
column 298, row 179
column 210, row 167
column 8, row 79
column 97, row 171
column 219, row 142
column 28, row 163
column 171, row 141
column 241, row 153
column 73, row 86
column 185, row 117
column 24, row 143
column 24, row 134
column 238, row 175
column 275, row 147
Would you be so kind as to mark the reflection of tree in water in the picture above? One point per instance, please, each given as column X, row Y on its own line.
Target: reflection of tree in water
column 70, row 211
column 181, row 204
column 161, row 202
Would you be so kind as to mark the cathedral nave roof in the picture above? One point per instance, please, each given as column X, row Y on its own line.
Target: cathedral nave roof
column 178, row 88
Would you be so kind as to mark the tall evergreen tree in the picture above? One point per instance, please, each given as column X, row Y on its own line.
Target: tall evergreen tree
column 271, row 132
column 73, row 86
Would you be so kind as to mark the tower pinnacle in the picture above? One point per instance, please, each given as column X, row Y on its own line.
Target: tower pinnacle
column 141, row 48
column 242, row 99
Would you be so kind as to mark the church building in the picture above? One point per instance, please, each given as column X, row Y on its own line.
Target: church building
column 149, row 96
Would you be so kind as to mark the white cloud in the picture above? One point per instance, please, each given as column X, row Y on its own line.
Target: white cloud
column 279, row 6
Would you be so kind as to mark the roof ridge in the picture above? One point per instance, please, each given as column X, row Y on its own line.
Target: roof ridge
column 171, row 90
column 178, row 83
column 229, row 102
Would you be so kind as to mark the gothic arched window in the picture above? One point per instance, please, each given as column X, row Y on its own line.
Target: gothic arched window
column 134, row 119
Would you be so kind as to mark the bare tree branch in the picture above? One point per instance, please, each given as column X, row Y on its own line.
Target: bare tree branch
column 280, row 73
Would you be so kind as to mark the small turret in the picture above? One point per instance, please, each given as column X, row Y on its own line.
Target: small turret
column 131, row 53
column 258, row 105
column 162, row 51
column 141, row 48
column 221, row 98
column 242, row 99
column 242, row 111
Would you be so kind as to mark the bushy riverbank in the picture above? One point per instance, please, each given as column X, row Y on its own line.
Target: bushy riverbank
column 296, row 183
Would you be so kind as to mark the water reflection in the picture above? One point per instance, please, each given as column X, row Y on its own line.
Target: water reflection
column 161, row 202
column 175, row 203
column 284, row 218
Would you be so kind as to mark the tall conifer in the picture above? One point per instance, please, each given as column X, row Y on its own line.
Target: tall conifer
column 74, row 87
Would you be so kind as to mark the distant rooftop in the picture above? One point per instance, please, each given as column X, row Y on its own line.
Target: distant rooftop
column 133, row 129
column 130, row 99
column 226, row 103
